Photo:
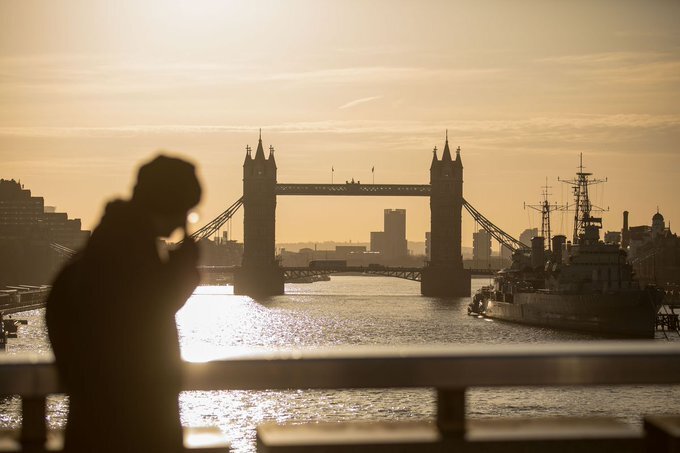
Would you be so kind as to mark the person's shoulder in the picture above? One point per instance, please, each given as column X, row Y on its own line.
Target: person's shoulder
column 67, row 281
column 124, row 234
column 121, row 219
column 117, row 211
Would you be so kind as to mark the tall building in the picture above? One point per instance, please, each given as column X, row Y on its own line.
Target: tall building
column 27, row 230
column 505, row 253
column 395, row 233
column 378, row 242
column 654, row 252
column 391, row 243
column 481, row 248
column 24, row 216
column 19, row 211
column 527, row 235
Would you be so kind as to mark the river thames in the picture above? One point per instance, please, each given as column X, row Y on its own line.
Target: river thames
column 352, row 310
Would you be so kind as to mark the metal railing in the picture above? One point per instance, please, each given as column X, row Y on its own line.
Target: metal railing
column 449, row 369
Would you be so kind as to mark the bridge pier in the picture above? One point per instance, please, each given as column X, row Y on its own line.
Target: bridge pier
column 450, row 280
column 258, row 282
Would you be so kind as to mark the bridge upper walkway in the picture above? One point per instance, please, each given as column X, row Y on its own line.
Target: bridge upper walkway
column 354, row 189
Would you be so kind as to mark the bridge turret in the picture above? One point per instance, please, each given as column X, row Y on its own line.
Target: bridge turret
column 459, row 161
column 260, row 166
column 444, row 169
column 446, row 155
column 445, row 275
column 434, row 163
column 259, row 154
column 249, row 158
column 259, row 273
column 271, row 163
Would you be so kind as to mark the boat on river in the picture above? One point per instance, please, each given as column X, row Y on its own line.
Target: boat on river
column 584, row 284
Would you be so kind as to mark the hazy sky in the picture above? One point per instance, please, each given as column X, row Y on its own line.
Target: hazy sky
column 89, row 89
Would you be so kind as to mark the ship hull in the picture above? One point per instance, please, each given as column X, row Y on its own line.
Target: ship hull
column 629, row 314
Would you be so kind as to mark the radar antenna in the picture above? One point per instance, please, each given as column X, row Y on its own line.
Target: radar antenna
column 545, row 208
column 582, row 206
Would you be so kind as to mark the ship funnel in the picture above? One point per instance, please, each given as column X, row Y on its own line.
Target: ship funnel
column 625, row 232
column 557, row 245
column 537, row 252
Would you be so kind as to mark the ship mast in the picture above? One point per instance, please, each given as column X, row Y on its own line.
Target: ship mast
column 582, row 206
column 545, row 208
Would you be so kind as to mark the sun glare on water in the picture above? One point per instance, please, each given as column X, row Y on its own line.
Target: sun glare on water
column 209, row 324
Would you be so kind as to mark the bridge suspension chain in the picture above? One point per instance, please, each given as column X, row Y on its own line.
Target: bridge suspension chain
column 62, row 250
column 498, row 234
column 217, row 222
column 202, row 233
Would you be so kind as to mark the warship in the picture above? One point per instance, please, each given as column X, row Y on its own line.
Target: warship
column 583, row 284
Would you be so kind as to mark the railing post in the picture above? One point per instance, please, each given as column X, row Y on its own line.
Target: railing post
column 34, row 424
column 451, row 412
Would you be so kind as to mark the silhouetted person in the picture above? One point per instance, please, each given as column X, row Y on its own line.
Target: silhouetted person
column 111, row 318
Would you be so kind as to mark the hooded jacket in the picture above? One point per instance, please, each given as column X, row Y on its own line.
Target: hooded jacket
column 111, row 322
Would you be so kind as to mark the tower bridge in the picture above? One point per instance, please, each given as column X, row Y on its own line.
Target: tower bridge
column 260, row 273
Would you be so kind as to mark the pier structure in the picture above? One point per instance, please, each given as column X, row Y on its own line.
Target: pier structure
column 262, row 275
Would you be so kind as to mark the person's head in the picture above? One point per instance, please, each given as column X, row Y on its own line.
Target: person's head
column 167, row 188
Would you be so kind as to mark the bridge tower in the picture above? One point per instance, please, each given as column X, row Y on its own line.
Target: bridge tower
column 260, row 273
column 444, row 276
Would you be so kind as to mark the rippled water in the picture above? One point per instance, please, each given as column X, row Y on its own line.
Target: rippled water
column 353, row 310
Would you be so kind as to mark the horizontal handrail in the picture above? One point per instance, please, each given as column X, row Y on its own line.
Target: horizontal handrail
column 439, row 366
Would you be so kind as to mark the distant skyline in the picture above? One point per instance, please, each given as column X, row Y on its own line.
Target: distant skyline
column 89, row 89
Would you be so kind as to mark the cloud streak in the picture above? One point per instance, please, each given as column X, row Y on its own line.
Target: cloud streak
column 597, row 133
column 537, row 125
column 648, row 68
column 356, row 102
column 98, row 75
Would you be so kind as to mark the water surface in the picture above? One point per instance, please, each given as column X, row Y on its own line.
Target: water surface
column 354, row 310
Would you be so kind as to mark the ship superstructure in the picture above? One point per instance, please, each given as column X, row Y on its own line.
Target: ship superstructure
column 583, row 284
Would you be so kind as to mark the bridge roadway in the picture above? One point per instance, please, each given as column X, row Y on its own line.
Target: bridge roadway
column 295, row 273
column 408, row 273
column 354, row 189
